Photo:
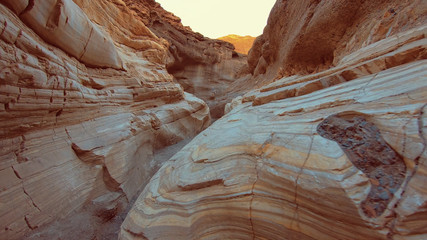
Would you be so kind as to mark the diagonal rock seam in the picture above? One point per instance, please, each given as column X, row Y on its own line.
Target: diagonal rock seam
column 297, row 179
column 26, row 193
column 252, row 193
column 87, row 43
column 252, row 199
column 420, row 123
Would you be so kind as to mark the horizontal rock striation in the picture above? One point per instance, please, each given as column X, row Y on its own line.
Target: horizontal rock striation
column 81, row 111
column 336, row 154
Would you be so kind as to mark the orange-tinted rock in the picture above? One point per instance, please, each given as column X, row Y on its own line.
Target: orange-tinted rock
column 242, row 44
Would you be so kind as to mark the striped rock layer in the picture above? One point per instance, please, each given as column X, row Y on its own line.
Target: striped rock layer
column 85, row 100
column 338, row 154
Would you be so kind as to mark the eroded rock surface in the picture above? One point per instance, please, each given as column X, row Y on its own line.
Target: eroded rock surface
column 311, row 36
column 204, row 67
column 336, row 154
column 62, row 24
column 364, row 146
column 85, row 102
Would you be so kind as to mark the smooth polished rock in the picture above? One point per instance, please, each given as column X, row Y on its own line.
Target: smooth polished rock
column 63, row 24
column 338, row 159
column 77, row 121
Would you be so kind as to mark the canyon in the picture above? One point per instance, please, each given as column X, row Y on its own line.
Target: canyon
column 116, row 121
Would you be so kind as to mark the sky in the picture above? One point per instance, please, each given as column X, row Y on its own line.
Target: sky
column 218, row 18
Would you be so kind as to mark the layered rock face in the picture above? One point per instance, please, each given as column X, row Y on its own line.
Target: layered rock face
column 339, row 153
column 310, row 36
column 204, row 67
column 216, row 84
column 242, row 44
column 85, row 101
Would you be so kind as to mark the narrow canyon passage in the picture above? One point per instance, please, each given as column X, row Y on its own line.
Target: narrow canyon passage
column 119, row 122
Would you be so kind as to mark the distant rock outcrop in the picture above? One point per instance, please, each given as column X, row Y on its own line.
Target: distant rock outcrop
column 242, row 44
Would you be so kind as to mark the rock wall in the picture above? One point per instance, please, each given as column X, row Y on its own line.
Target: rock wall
column 216, row 84
column 204, row 67
column 311, row 36
column 338, row 152
column 85, row 100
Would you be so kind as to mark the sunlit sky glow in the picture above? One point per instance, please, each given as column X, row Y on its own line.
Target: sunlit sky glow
column 217, row 18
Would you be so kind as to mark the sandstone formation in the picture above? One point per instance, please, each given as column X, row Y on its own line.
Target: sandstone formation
column 333, row 148
column 86, row 100
column 204, row 67
column 265, row 170
column 330, row 145
column 311, row 36
column 60, row 23
column 242, row 44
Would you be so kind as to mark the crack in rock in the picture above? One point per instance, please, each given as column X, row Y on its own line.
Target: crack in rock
column 252, row 199
column 363, row 144
column 297, row 179
column 32, row 201
column 27, row 221
column 420, row 122
column 87, row 43
column 258, row 157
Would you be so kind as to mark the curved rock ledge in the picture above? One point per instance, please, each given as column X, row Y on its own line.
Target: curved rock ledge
column 71, row 134
column 63, row 24
column 264, row 172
